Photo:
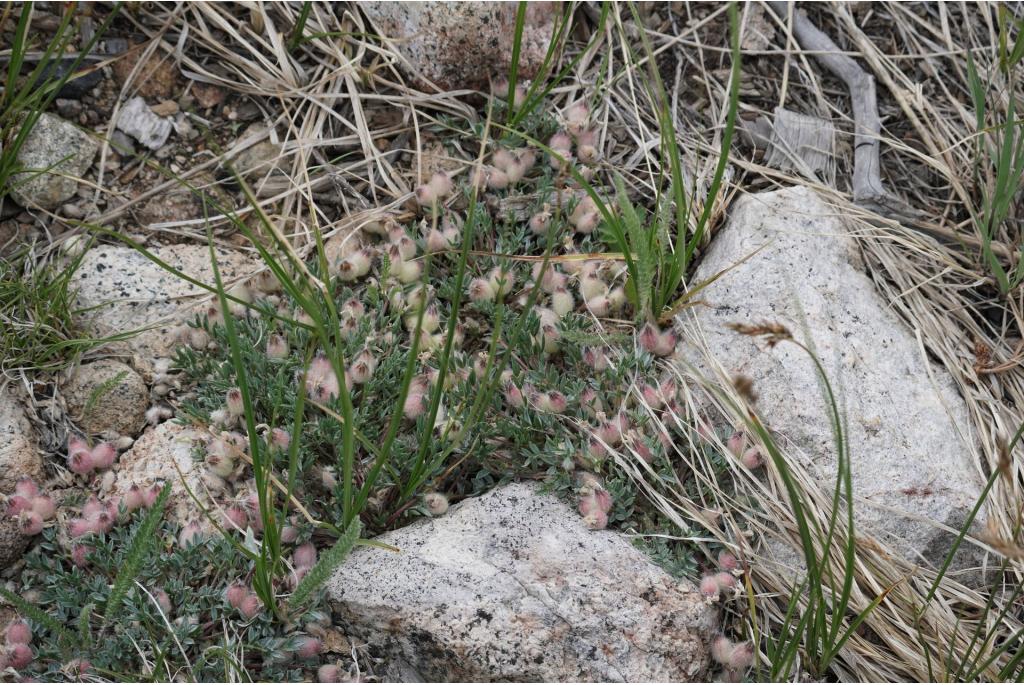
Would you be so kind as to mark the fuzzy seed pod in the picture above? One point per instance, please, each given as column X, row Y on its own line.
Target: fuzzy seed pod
column 362, row 367
column 726, row 581
column 17, row 504
column 348, row 328
column 17, row 633
column 221, row 464
column 79, row 457
column 406, row 247
column 235, row 593
column 752, row 458
column 666, row 344
column 599, row 306
column 727, row 560
column 552, row 280
column 513, row 396
column 587, row 223
column 415, row 405
column 617, row 298
column 78, row 555
column 540, row 222
column 576, row 116
column 436, row 503
column 277, row 346
column 304, row 556
column 328, row 673
column 133, row 499
column 103, row 455
column 709, row 586
column 721, row 649
column 408, row 272
column 562, row 301
column 289, row 534
column 551, row 338
column 502, row 159
column 596, row 450
column 79, row 527
column 440, row 184
column 250, row 606
column 736, row 444
column 561, row 144
column 26, row 487
column 649, row 338
column 20, row 656
column 556, row 402
column 502, row 281
column 321, row 381
column 308, row 647
column 496, row 179
column 651, row 397
column 437, row 242
column 235, row 518
column 741, row 656
column 44, row 506
column 233, row 403
column 481, row 290
column 591, row 287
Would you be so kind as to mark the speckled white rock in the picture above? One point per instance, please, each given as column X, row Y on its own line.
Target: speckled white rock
column 19, row 456
column 121, row 408
column 458, row 45
column 56, row 145
column 125, row 291
column 511, row 586
column 164, row 454
column 904, row 432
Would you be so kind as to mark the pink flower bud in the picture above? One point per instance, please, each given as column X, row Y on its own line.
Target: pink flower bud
column 721, row 649
column 709, row 586
column 728, row 561
column 436, row 503
column 20, row 656
column 250, row 606
column 752, row 458
column 652, row 398
column 280, row 438
column 235, row 518
column 235, row 594
column 513, row 396
column 17, row 504
column 308, row 647
column 415, row 405
column 556, row 402
column 150, row 494
column 481, row 290
column 163, row 600
column 80, row 463
column 103, row 455
column 540, row 222
column 289, row 534
column 666, row 344
column 26, row 487
column 561, row 143
column 741, row 657
column 18, row 633
column 93, row 507
column 30, row 523
column 78, row 554
column 277, row 346
column 304, row 556
column 576, row 116
column 736, row 444
column 133, row 499
column 726, row 581
column 79, row 527
column 649, row 338
column 596, row 450
column 328, row 673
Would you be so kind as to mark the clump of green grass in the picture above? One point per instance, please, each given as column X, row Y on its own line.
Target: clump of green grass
column 39, row 328
column 999, row 156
